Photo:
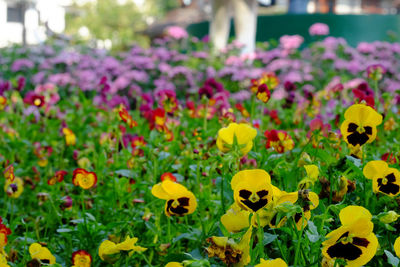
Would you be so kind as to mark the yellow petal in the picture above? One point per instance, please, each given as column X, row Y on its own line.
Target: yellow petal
column 107, row 247
column 351, row 214
column 250, row 176
column 374, row 169
column 397, row 247
column 158, row 191
column 235, row 219
column 173, row 188
column 363, row 115
column 312, row 171
column 272, row 263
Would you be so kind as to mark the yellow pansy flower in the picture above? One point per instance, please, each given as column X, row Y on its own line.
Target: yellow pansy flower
column 354, row 241
column 359, row 126
column 41, row 253
column 252, row 189
column 384, row 179
column 243, row 133
column 180, row 201
column 14, row 188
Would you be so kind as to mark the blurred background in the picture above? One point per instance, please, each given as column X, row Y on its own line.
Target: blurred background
column 116, row 24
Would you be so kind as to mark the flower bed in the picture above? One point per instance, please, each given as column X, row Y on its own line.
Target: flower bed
column 175, row 156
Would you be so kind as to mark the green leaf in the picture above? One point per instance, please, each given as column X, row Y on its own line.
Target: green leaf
column 125, row 173
column 391, row 258
column 312, row 232
column 64, row 230
column 269, row 238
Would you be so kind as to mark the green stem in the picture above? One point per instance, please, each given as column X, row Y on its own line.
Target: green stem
column 146, row 260
column 260, row 238
column 283, row 255
column 205, row 119
column 222, row 195
column 252, row 108
column 376, row 89
column 299, row 239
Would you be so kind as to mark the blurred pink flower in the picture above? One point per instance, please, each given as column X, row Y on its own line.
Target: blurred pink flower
column 291, row 42
column 177, row 32
column 318, row 29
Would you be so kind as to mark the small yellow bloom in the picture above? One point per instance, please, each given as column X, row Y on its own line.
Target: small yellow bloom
column 311, row 177
column 252, row 189
column 384, row 179
column 243, row 133
column 180, row 201
column 389, row 217
column 359, row 126
column 390, row 124
column 3, row 102
column 41, row 253
column 272, row 263
column 14, row 188
column 108, row 247
column 70, row 137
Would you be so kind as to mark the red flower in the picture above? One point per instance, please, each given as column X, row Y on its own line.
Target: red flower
column 168, row 176
column 136, row 144
column 158, row 119
column 263, row 93
column 83, row 178
column 33, row 99
column 124, row 115
column 81, row 258
column 58, row 177
column 280, row 141
column 242, row 110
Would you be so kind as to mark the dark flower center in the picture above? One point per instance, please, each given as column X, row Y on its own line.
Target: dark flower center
column 387, row 185
column 254, row 201
column 178, row 208
column 357, row 138
column 347, row 248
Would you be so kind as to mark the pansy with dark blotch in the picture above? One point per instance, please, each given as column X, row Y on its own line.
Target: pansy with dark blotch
column 359, row 126
column 384, row 179
column 305, row 198
column 180, row 201
column 252, row 189
column 354, row 241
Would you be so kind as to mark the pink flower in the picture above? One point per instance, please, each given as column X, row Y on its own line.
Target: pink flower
column 177, row 32
column 291, row 42
column 319, row 29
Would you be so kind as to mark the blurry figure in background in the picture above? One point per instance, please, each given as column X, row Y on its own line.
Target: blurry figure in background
column 245, row 15
column 372, row 6
column 298, row 6
column 325, row 6
column 396, row 4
